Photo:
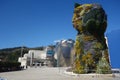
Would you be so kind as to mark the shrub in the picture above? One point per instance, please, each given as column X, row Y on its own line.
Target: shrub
column 9, row 66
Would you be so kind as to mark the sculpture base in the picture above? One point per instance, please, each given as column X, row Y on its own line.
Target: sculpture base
column 91, row 76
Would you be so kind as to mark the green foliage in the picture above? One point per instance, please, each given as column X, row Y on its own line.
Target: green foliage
column 9, row 66
column 103, row 66
column 90, row 21
column 88, row 62
column 78, row 68
column 97, row 56
column 95, row 21
column 13, row 57
column 12, row 54
column 76, row 5
column 98, row 46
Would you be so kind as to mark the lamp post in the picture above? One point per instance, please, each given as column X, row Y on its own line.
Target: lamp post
column 21, row 51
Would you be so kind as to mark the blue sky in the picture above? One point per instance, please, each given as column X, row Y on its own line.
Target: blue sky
column 35, row 23
column 40, row 22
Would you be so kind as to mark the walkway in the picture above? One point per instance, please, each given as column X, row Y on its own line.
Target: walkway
column 47, row 73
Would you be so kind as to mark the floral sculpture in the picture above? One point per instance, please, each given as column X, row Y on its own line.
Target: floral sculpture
column 91, row 51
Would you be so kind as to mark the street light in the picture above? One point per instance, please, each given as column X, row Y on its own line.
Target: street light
column 22, row 50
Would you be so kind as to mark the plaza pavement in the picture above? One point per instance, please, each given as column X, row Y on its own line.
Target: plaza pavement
column 50, row 73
